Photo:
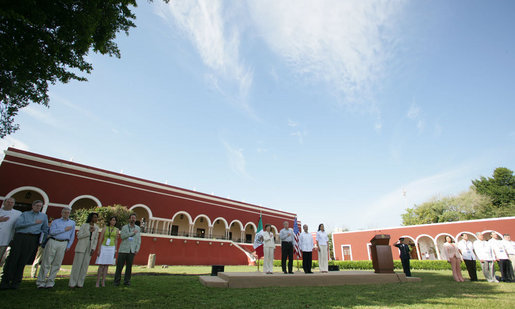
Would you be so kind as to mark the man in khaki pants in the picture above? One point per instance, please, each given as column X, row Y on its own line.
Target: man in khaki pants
column 60, row 239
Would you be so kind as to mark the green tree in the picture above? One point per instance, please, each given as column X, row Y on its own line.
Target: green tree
column 500, row 189
column 466, row 206
column 44, row 42
column 104, row 213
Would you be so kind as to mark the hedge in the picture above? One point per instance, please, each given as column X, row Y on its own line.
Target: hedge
column 367, row 265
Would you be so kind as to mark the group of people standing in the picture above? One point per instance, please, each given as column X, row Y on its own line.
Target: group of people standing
column 486, row 251
column 25, row 232
column 305, row 243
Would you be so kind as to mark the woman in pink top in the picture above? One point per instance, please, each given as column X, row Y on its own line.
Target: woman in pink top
column 450, row 250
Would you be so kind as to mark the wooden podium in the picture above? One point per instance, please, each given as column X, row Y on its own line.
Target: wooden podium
column 381, row 253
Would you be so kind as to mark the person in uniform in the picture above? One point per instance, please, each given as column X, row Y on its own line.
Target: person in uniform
column 404, row 254
column 87, row 239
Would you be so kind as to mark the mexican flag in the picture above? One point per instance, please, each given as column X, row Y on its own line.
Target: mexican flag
column 258, row 239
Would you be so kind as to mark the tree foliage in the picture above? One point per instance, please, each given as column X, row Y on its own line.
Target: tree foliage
column 104, row 213
column 43, row 42
column 487, row 198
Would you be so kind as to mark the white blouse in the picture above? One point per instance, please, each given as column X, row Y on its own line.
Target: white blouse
column 322, row 238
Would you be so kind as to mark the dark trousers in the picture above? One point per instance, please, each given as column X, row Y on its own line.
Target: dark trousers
column 307, row 261
column 287, row 252
column 405, row 266
column 471, row 268
column 23, row 249
column 506, row 270
column 123, row 259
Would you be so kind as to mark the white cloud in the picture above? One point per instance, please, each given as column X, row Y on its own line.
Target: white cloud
column 237, row 160
column 413, row 112
column 342, row 43
column 299, row 135
column 10, row 141
column 386, row 210
column 42, row 114
column 216, row 37
column 292, row 123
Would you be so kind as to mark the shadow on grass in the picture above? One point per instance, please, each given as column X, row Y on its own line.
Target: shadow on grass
column 437, row 289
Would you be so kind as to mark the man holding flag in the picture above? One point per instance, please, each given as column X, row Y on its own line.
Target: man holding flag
column 287, row 240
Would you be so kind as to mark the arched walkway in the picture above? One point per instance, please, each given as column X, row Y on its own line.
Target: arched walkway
column 84, row 202
column 426, row 247
column 24, row 197
column 250, row 232
column 201, row 226
column 181, row 223
column 235, row 231
column 144, row 215
column 219, row 228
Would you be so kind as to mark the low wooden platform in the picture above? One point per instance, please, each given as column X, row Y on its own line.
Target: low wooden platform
column 258, row 279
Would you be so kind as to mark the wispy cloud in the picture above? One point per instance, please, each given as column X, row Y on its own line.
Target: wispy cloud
column 10, row 141
column 42, row 114
column 389, row 207
column 237, row 160
column 413, row 112
column 345, row 44
column 292, row 123
column 216, row 37
column 298, row 132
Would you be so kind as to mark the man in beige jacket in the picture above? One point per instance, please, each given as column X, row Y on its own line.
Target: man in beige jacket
column 131, row 241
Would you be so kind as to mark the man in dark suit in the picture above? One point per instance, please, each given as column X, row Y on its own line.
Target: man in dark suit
column 405, row 256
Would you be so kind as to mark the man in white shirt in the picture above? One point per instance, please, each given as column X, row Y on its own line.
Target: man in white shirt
column 306, row 246
column 502, row 258
column 466, row 249
column 510, row 249
column 8, row 217
column 485, row 255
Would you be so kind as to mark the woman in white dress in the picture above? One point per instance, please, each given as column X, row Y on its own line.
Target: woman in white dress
column 323, row 249
column 108, row 241
column 268, row 250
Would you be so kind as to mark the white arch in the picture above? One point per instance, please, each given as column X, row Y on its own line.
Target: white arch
column 492, row 231
column 238, row 221
column 182, row 212
column 465, row 232
column 415, row 242
column 46, row 200
column 446, row 234
column 253, row 225
column 203, row 216
column 425, row 235
column 434, row 244
column 220, row 218
column 144, row 207
column 91, row 197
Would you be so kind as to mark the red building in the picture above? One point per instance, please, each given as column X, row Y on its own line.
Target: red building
column 182, row 227
column 426, row 240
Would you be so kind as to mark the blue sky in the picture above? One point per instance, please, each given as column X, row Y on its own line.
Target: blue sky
column 328, row 109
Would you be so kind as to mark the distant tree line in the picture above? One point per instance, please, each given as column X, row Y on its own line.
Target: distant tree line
column 490, row 197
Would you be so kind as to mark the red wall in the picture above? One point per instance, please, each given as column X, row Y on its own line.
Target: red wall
column 359, row 239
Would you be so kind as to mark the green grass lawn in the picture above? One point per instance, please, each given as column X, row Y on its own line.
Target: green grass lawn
column 181, row 289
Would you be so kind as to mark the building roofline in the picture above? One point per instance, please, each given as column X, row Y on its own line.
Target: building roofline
column 14, row 152
column 428, row 224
